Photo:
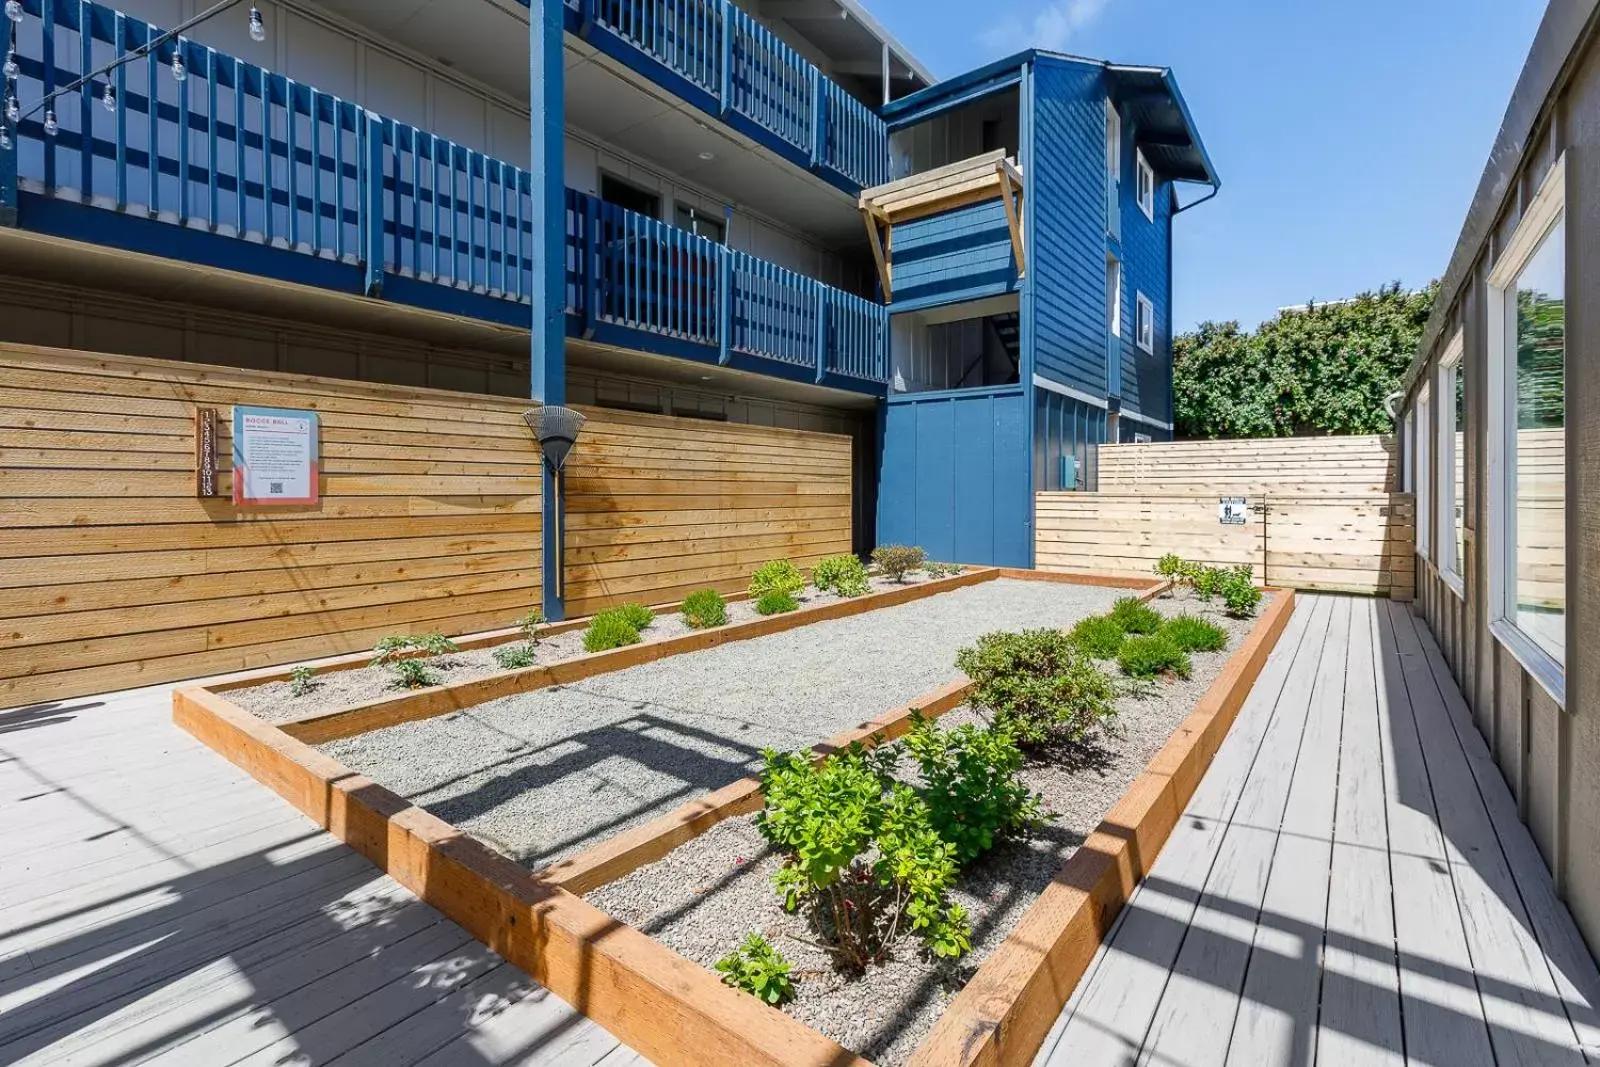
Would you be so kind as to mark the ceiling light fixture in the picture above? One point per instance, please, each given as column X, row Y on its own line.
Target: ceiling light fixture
column 708, row 156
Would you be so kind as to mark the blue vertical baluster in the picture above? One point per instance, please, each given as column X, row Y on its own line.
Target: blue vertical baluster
column 47, row 30
column 266, row 156
column 291, row 110
column 455, row 217
column 472, row 220
column 338, row 179
column 416, row 201
column 241, row 193
column 153, row 69
column 316, row 172
column 119, row 37
column 433, row 190
column 213, row 206
column 183, row 137
column 86, row 98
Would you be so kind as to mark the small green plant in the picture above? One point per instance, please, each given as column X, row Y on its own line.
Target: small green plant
column 1135, row 616
column 896, row 561
column 1171, row 567
column 400, row 645
column 776, row 576
column 1099, row 636
column 972, row 786
column 1194, row 634
column 941, row 570
column 1207, row 581
column 529, row 625
column 1239, row 593
column 1038, row 686
column 758, row 969
column 514, row 657
column 704, row 609
column 412, row 674
column 609, row 629
column 302, row 680
column 1152, row 656
column 638, row 616
column 845, row 575
column 776, row 603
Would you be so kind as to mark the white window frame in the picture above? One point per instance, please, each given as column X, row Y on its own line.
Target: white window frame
column 1113, row 143
column 1408, row 477
column 1114, row 294
column 1144, row 323
column 1422, row 469
column 1546, row 211
column 1444, row 389
column 1144, row 187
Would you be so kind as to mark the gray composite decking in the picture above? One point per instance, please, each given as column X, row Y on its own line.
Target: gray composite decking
column 158, row 905
column 1350, row 884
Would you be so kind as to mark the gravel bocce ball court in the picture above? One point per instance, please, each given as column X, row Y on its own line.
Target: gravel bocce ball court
column 542, row 775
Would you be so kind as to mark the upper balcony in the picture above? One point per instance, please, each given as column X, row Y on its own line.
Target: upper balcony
column 240, row 168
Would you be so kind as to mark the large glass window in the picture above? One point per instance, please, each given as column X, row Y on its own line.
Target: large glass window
column 1452, row 464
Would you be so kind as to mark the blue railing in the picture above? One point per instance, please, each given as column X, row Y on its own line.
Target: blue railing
column 745, row 69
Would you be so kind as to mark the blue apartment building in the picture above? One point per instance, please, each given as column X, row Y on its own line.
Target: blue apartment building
column 765, row 212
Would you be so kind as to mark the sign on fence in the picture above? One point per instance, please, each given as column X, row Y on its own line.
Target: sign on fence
column 1233, row 511
column 274, row 456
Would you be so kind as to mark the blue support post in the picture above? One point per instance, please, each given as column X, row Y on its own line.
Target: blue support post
column 822, row 330
column 8, row 156
column 371, row 204
column 589, row 251
column 547, row 220
column 725, row 97
column 818, row 128
column 724, row 304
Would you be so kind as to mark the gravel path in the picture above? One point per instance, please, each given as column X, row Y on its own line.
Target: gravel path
column 704, row 897
column 276, row 702
column 543, row 774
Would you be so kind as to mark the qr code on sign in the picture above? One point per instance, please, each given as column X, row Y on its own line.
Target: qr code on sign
column 275, row 488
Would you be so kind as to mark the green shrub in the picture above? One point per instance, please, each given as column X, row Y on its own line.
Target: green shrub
column 1153, row 655
column 1135, row 616
column 1038, row 686
column 400, row 645
column 412, row 674
column 1099, row 636
column 638, row 616
column 1207, row 581
column 941, row 570
column 758, row 969
column 777, row 576
column 529, row 625
column 776, row 603
column 1171, row 567
column 302, row 680
column 1194, row 634
column 826, row 818
column 897, row 561
column 515, row 656
column 1239, row 593
column 609, row 629
column 704, row 609
column 845, row 575
column 972, row 787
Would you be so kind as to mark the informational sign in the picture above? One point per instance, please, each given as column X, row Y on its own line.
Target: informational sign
column 205, row 452
column 274, row 456
column 1233, row 511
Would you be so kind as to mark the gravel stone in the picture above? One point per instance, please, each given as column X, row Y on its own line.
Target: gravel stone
column 703, row 898
column 622, row 748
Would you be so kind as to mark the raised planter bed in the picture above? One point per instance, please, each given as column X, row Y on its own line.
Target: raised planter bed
column 670, row 1008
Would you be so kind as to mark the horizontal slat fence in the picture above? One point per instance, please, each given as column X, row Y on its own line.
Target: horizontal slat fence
column 658, row 507
column 1344, row 465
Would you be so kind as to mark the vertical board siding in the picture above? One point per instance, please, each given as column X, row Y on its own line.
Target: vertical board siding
column 954, row 477
column 1146, row 249
column 658, row 507
column 1064, row 427
column 957, row 255
column 117, row 575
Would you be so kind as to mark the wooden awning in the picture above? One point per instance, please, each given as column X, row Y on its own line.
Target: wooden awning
column 934, row 192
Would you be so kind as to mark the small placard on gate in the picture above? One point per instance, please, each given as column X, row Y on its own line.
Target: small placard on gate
column 1233, row 511
column 275, row 454
column 205, row 452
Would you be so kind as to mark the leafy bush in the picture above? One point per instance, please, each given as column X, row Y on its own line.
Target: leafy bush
column 609, row 629
column 1194, row 634
column 1038, row 686
column 758, row 969
column 777, row 576
column 1239, row 593
column 1207, row 581
column 1153, row 655
column 1135, row 616
column 897, row 561
column 412, row 674
column 302, row 680
column 845, row 575
column 941, row 570
column 826, row 818
column 704, row 609
column 1171, row 567
column 529, row 625
column 1099, row 636
column 971, row 786
column 516, row 656
column 776, row 603
column 399, row 645
column 638, row 616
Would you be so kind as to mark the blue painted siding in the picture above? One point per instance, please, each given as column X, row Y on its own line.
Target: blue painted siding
column 954, row 477
column 1146, row 247
column 957, row 255
column 1065, row 427
column 1067, row 203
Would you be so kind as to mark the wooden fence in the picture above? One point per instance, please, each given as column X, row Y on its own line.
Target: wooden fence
column 114, row 573
column 1320, row 513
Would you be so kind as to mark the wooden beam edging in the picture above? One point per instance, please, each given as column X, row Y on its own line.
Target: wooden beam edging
column 668, row 1008
column 1149, row 589
column 414, row 706
column 1002, row 1016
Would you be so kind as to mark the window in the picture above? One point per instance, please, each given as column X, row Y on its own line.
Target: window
column 1113, row 142
column 700, row 223
column 1452, row 465
column 1421, row 470
column 1145, row 186
column 1141, row 438
column 629, row 197
column 1144, row 324
column 1114, row 296
column 1408, row 478
column 1527, row 438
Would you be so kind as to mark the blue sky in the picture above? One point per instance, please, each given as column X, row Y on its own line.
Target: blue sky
column 1349, row 135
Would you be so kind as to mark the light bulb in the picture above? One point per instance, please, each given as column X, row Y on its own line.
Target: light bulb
column 51, row 126
column 5, row 139
column 13, row 109
column 179, row 71
column 14, row 10
column 258, row 28
column 109, row 98
column 11, row 69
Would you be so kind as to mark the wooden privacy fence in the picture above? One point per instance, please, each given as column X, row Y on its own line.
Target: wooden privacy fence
column 1320, row 513
column 114, row 573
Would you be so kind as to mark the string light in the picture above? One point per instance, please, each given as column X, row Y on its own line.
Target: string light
column 258, row 28
column 14, row 10
column 12, row 69
column 5, row 138
column 179, row 71
column 109, row 97
column 51, row 126
column 13, row 108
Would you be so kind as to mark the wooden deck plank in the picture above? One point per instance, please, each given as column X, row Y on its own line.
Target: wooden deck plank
column 535, row 1030
column 1108, row 1017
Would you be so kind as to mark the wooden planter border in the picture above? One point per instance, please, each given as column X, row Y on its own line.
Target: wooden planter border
column 669, row 1008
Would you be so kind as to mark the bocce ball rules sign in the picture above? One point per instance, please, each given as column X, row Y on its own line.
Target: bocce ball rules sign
column 274, row 456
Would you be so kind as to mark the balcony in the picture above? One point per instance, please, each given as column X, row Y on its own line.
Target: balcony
column 240, row 168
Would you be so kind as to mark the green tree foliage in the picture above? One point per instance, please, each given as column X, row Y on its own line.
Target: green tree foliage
column 1326, row 369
